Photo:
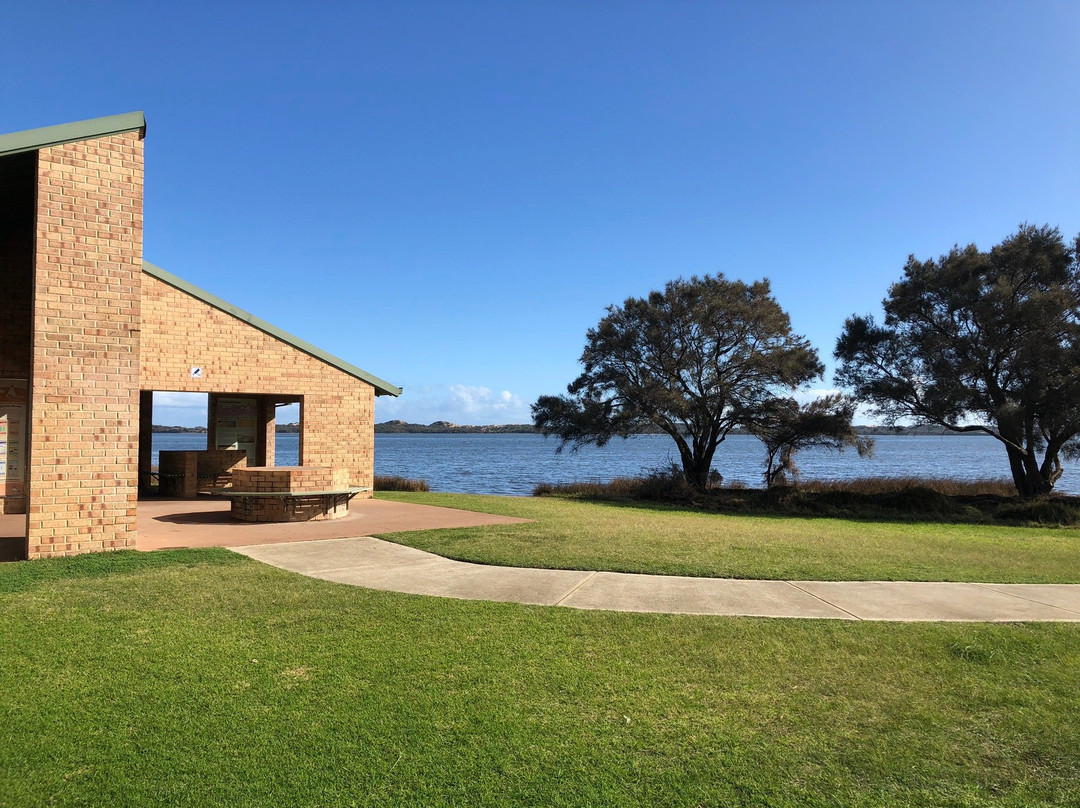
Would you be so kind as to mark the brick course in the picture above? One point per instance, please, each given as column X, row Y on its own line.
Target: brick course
column 84, row 409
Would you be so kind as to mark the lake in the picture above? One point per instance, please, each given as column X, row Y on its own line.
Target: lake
column 514, row 464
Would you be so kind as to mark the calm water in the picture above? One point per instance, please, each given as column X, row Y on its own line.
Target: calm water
column 513, row 464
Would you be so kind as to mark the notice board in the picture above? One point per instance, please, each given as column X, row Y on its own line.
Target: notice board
column 237, row 424
column 13, row 437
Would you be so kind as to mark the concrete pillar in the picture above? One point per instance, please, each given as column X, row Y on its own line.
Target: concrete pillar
column 211, row 421
column 267, row 434
column 86, row 314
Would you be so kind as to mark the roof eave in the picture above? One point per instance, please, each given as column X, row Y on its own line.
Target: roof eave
column 36, row 139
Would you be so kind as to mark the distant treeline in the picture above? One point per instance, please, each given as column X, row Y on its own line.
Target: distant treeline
column 448, row 428
column 926, row 429
column 201, row 430
column 445, row 427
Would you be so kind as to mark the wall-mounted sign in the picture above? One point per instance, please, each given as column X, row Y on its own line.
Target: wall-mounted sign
column 237, row 424
column 12, row 437
column 196, row 372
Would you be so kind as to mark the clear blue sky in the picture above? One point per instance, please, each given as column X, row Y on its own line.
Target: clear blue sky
column 449, row 194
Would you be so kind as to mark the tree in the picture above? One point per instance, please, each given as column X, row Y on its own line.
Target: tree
column 696, row 360
column 787, row 428
column 981, row 342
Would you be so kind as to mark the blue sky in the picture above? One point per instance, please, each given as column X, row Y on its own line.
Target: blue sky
column 449, row 194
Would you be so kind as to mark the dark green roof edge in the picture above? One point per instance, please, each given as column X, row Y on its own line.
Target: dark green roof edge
column 382, row 388
column 35, row 139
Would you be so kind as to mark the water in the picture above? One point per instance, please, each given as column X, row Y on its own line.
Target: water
column 514, row 464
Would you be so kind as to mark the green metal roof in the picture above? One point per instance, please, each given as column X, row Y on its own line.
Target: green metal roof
column 35, row 139
column 381, row 388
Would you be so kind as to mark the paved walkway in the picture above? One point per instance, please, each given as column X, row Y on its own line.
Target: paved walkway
column 377, row 564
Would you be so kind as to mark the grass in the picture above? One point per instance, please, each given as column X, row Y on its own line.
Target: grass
column 668, row 539
column 203, row 678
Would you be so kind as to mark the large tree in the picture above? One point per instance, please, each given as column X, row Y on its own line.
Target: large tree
column 981, row 342
column 696, row 360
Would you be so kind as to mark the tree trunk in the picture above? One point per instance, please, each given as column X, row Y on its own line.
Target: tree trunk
column 1027, row 477
column 696, row 468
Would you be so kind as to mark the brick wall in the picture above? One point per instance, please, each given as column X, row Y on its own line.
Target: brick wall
column 290, row 478
column 180, row 331
column 85, row 399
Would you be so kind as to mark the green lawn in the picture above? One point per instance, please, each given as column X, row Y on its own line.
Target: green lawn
column 203, row 678
column 573, row 534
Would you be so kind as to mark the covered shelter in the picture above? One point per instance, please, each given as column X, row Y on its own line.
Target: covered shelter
column 89, row 330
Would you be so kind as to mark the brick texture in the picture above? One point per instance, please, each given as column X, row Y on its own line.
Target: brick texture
column 85, row 399
column 180, row 332
column 265, row 481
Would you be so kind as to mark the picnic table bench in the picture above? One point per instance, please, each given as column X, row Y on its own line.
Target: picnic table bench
column 288, row 506
column 289, row 493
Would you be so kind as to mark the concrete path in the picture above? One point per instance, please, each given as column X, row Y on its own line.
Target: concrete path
column 377, row 564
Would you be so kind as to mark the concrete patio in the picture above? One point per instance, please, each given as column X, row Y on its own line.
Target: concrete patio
column 206, row 522
column 169, row 524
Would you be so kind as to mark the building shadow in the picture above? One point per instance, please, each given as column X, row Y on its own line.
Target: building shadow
column 197, row 518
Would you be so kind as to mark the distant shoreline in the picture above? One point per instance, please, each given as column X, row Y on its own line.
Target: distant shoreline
column 447, row 428
column 158, row 429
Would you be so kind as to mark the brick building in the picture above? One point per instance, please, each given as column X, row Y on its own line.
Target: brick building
column 88, row 331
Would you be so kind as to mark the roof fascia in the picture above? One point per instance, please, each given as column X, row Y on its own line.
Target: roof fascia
column 36, row 139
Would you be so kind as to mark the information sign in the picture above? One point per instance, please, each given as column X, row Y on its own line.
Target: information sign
column 237, row 424
column 12, row 437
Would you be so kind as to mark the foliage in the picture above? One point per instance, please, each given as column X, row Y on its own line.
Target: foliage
column 643, row 488
column 1001, row 488
column 387, row 482
column 785, row 428
column 660, row 485
column 695, row 360
column 981, row 341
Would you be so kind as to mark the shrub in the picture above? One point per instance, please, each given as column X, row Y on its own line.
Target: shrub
column 392, row 483
column 918, row 499
column 619, row 488
column 665, row 484
column 1041, row 512
column 892, row 485
column 906, row 498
